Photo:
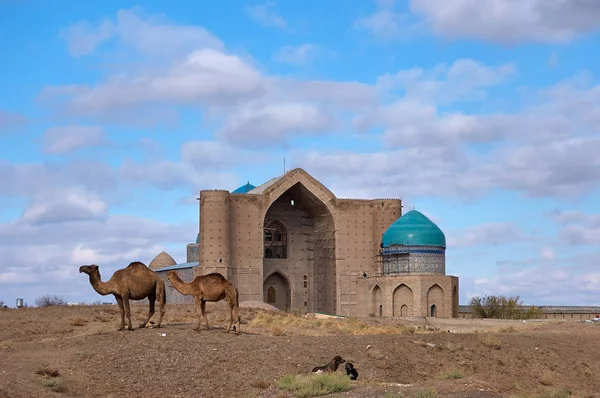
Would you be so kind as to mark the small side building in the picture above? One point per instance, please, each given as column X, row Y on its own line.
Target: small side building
column 413, row 280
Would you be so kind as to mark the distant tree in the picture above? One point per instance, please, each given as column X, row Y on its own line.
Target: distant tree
column 48, row 300
column 501, row 307
column 2, row 304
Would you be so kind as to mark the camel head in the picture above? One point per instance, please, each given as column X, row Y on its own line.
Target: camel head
column 171, row 275
column 89, row 269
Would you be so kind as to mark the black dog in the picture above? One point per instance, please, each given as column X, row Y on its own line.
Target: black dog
column 350, row 371
column 332, row 366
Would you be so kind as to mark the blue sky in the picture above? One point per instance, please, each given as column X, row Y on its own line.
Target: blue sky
column 483, row 115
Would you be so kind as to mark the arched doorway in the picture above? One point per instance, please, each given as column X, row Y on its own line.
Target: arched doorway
column 455, row 302
column 276, row 291
column 377, row 301
column 299, row 239
column 402, row 298
column 404, row 310
column 436, row 301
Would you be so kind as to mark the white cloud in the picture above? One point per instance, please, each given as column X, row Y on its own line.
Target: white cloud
column 153, row 34
column 205, row 76
column 299, row 55
column 464, row 79
column 273, row 124
column 387, row 23
column 578, row 228
column 488, row 234
column 65, row 207
column 507, row 21
column 263, row 14
column 66, row 139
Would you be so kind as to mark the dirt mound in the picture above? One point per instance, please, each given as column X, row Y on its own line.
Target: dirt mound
column 259, row 305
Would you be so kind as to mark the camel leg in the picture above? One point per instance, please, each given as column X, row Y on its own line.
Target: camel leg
column 127, row 311
column 122, row 311
column 203, row 306
column 235, row 313
column 162, row 301
column 151, row 300
column 198, row 312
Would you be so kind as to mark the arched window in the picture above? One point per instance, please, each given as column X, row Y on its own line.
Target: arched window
column 275, row 240
column 433, row 311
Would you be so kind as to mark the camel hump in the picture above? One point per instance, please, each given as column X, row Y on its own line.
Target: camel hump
column 216, row 275
column 137, row 264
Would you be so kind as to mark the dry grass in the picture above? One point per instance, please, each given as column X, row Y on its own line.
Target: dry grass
column 509, row 329
column 262, row 384
column 291, row 324
column 489, row 340
column 452, row 375
column 315, row 384
column 78, row 321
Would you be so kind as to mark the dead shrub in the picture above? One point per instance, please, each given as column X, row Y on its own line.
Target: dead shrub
column 491, row 341
column 277, row 331
column 46, row 371
column 509, row 329
column 48, row 300
column 78, row 321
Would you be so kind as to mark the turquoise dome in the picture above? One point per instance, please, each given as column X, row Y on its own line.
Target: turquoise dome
column 414, row 229
column 244, row 188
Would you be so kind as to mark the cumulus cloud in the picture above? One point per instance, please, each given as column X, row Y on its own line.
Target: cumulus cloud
column 578, row 228
column 264, row 15
column 510, row 22
column 388, row 23
column 272, row 124
column 65, row 207
column 148, row 34
column 488, row 234
column 464, row 79
column 66, row 139
column 205, row 76
column 298, row 55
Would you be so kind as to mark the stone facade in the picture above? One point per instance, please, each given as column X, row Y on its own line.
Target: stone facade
column 409, row 296
column 291, row 243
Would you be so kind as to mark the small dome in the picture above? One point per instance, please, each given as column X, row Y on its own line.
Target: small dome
column 414, row 229
column 162, row 260
column 244, row 188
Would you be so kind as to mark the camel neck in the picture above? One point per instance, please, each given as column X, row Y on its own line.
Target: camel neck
column 181, row 286
column 100, row 287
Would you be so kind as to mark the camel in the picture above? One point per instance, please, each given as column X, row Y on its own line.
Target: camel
column 210, row 287
column 135, row 282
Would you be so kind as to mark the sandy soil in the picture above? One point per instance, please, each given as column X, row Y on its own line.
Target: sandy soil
column 496, row 358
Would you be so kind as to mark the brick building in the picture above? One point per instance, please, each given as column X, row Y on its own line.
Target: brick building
column 291, row 243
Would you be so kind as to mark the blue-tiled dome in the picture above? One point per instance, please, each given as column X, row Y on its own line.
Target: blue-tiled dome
column 414, row 229
column 244, row 188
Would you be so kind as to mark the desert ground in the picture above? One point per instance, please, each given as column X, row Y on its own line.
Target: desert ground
column 77, row 351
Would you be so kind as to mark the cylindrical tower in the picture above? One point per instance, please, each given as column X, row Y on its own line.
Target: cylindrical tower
column 214, row 231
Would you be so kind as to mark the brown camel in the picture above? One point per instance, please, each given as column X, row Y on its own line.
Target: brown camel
column 135, row 282
column 210, row 287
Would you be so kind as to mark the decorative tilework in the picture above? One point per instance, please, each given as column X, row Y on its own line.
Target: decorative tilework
column 413, row 260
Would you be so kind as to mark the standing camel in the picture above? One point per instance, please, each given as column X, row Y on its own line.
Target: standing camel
column 135, row 282
column 210, row 287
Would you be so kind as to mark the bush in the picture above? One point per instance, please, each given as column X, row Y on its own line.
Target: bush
column 315, row 384
column 48, row 300
column 501, row 307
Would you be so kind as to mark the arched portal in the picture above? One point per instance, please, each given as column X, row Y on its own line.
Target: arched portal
column 299, row 234
column 276, row 291
column 435, row 301
column 377, row 301
column 402, row 298
column 455, row 302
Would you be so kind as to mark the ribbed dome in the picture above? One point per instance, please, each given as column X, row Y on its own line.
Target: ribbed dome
column 414, row 229
column 162, row 260
column 244, row 188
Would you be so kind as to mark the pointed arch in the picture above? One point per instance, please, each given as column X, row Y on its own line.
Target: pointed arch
column 275, row 240
column 436, row 301
column 377, row 301
column 402, row 299
column 276, row 291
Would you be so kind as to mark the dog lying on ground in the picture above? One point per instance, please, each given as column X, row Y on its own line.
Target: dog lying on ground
column 332, row 366
column 350, row 371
